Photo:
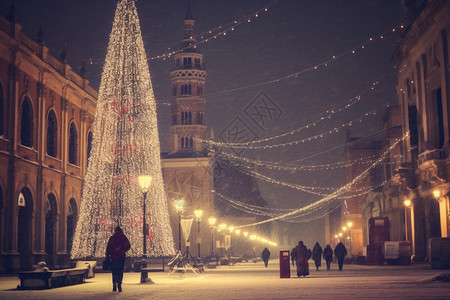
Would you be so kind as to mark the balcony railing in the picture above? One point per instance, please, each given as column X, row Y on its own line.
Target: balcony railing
column 431, row 155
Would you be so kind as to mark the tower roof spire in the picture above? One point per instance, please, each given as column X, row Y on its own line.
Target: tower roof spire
column 188, row 12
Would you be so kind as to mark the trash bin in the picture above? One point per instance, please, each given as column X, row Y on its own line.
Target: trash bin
column 285, row 264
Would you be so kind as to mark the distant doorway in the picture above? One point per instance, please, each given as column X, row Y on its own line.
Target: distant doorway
column 71, row 222
column 50, row 222
column 24, row 228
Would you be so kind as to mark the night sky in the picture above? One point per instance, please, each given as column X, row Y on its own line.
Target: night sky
column 292, row 36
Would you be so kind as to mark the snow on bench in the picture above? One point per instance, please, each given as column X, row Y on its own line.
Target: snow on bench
column 52, row 278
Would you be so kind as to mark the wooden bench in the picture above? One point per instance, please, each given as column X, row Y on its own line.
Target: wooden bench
column 51, row 279
column 87, row 264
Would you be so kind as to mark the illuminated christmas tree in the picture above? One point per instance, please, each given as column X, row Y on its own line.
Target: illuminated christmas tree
column 125, row 145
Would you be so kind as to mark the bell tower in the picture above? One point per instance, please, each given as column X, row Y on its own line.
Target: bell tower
column 188, row 77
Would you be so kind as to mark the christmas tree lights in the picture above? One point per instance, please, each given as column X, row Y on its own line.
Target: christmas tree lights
column 125, row 145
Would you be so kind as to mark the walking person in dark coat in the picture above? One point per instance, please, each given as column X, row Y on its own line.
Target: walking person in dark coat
column 340, row 253
column 293, row 256
column 328, row 255
column 302, row 259
column 118, row 245
column 265, row 256
column 317, row 255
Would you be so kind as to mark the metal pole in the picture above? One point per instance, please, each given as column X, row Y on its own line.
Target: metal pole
column 198, row 237
column 212, row 239
column 406, row 224
column 144, row 225
column 179, row 232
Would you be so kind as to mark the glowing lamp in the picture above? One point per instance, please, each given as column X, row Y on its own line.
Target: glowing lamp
column 144, row 182
column 437, row 193
column 212, row 221
column 198, row 214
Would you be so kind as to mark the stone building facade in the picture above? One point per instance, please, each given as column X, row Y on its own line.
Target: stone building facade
column 46, row 114
column 422, row 62
column 414, row 179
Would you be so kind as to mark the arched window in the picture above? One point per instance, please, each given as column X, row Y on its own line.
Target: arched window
column 73, row 144
column 52, row 134
column 89, row 145
column 71, row 222
column 187, row 62
column 2, row 109
column 199, row 118
column 186, row 89
column 197, row 63
column 186, row 117
column 187, row 142
column 26, row 123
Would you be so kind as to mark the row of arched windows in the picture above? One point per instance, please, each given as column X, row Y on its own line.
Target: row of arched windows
column 186, row 118
column 26, row 133
column 187, row 142
column 187, row 63
column 186, row 89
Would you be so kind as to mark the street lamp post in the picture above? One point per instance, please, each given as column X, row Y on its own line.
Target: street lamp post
column 349, row 225
column 179, row 208
column 345, row 235
column 222, row 227
column 144, row 182
column 212, row 222
column 406, row 203
column 198, row 214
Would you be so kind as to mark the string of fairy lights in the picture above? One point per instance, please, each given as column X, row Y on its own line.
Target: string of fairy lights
column 308, row 189
column 321, row 65
column 218, row 31
column 328, row 114
column 273, row 165
column 296, row 142
column 353, row 50
column 340, row 191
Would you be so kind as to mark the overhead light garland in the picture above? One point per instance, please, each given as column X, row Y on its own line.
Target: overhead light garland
column 342, row 190
column 319, row 66
column 288, row 166
column 296, row 142
column 328, row 114
column 307, row 189
column 218, row 31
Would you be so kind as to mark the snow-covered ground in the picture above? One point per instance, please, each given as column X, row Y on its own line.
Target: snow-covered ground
column 254, row 281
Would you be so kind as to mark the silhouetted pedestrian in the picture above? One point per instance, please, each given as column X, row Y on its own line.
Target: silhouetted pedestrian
column 340, row 253
column 317, row 255
column 118, row 245
column 328, row 255
column 302, row 259
column 293, row 256
column 265, row 256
